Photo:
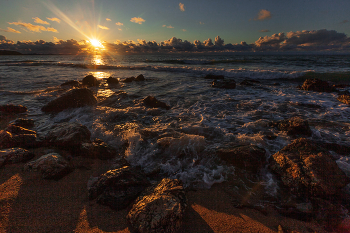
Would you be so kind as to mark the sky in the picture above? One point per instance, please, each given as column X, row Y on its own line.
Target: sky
column 184, row 25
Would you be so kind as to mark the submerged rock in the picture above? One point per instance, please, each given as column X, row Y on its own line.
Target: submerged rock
column 25, row 123
column 10, row 108
column 317, row 85
column 140, row 78
column 308, row 169
column 344, row 99
column 118, row 188
column 160, row 208
column 90, row 81
column 74, row 98
column 112, row 80
column 71, row 83
column 152, row 102
column 225, row 84
column 129, row 80
column 97, row 150
column 293, row 126
column 14, row 155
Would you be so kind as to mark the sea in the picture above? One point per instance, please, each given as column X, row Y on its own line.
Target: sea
column 181, row 142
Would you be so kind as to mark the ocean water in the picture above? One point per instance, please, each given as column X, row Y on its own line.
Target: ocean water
column 181, row 142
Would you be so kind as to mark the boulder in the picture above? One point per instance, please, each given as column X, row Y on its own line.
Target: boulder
column 90, row 81
column 225, row 84
column 97, row 150
column 293, row 126
column 213, row 76
column 112, row 80
column 129, row 80
column 344, row 99
column 14, row 129
column 308, row 169
column 140, row 78
column 68, row 135
column 51, row 166
column 6, row 139
column 71, row 83
column 10, row 108
column 152, row 102
column 160, row 208
column 118, row 188
column 25, row 123
column 9, row 140
column 14, row 155
column 247, row 157
column 74, row 98
column 317, row 85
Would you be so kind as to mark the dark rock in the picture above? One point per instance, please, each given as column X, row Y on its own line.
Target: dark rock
column 97, row 150
column 19, row 130
column 129, row 80
column 6, row 139
column 294, row 126
column 308, row 169
column 74, row 98
column 68, row 135
column 344, row 99
column 10, row 108
column 213, row 76
column 91, row 81
column 341, row 85
column 152, row 102
column 247, row 157
column 317, row 85
column 51, row 166
column 14, row 155
column 160, row 208
column 246, row 83
column 112, row 81
column 226, row 84
column 140, row 78
column 71, row 83
column 9, row 140
column 25, row 123
column 118, row 188
column 339, row 149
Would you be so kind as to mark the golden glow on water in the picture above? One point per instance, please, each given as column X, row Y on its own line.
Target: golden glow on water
column 98, row 60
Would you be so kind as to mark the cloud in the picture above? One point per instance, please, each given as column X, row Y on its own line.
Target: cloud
column 10, row 30
column 208, row 42
column 274, row 40
column 182, row 6
column 167, row 26
column 201, row 23
column 263, row 15
column 265, row 30
column 34, row 28
column 184, row 30
column 119, row 29
column 103, row 27
column 38, row 20
column 344, row 21
column 315, row 37
column 137, row 20
column 219, row 41
column 55, row 19
column 119, row 24
column 108, row 19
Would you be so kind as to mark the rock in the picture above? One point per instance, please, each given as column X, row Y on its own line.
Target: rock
column 10, row 108
column 140, row 78
column 97, row 150
column 226, row 84
column 6, row 139
column 74, row 98
column 344, row 99
column 19, row 130
column 246, row 157
column 294, row 126
column 213, row 76
column 118, row 188
column 308, row 169
column 160, row 208
column 71, row 83
column 90, row 81
column 112, row 81
column 129, row 80
column 9, row 140
column 246, row 83
column 152, row 102
column 317, row 85
column 68, row 135
column 51, row 166
column 14, row 155
column 25, row 123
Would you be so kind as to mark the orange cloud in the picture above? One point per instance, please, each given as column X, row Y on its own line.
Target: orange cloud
column 38, row 20
column 108, row 19
column 33, row 28
column 55, row 19
column 263, row 15
column 103, row 27
column 119, row 24
column 10, row 30
column 138, row 20
column 182, row 6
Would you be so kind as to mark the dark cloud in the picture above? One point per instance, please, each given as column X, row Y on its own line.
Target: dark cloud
column 275, row 40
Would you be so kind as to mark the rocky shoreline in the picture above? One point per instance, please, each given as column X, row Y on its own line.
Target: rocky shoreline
column 312, row 189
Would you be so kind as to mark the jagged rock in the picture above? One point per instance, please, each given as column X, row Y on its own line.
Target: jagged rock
column 308, row 169
column 213, row 76
column 160, row 208
column 6, row 139
column 51, row 166
column 152, row 102
column 97, row 150
column 225, row 84
column 71, row 83
column 118, row 188
column 90, row 81
column 19, row 130
column 25, row 123
column 317, row 85
column 246, row 157
column 68, row 135
column 14, row 155
column 129, row 80
column 112, row 80
column 344, row 99
column 19, row 138
column 74, row 98
column 10, row 108
column 140, row 78
column 294, row 126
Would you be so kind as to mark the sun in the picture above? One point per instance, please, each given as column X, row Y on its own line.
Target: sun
column 96, row 43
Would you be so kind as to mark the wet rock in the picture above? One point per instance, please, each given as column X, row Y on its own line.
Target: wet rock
column 19, row 130
column 68, row 135
column 344, row 99
column 25, row 123
column 246, row 157
column 74, row 98
column 97, row 150
column 160, row 208
column 90, row 81
column 294, row 126
column 14, row 155
column 317, row 85
column 51, row 166
column 19, row 137
column 339, row 149
column 6, row 139
column 13, row 109
column 71, row 83
column 308, row 169
column 118, row 188
column 140, row 78
column 213, row 76
column 225, row 84
column 246, row 83
column 129, row 80
column 112, row 81
column 152, row 102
